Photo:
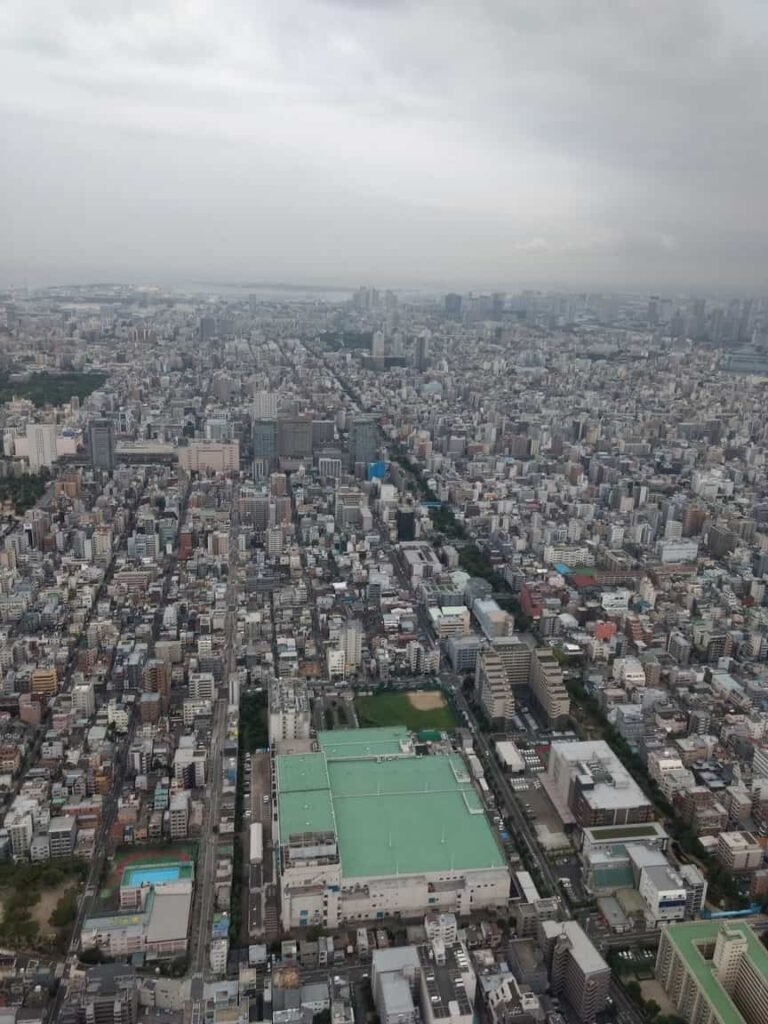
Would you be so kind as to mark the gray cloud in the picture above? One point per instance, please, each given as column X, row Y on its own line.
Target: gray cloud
column 507, row 142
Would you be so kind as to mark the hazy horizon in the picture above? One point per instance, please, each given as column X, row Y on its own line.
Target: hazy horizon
column 431, row 144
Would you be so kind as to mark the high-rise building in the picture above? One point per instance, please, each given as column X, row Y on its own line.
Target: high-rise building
column 421, row 351
column 41, row 440
column 548, row 687
column 453, row 305
column 406, row 524
column 363, row 440
column 289, row 710
column 492, row 686
column 207, row 328
column 265, row 405
column 352, row 644
column 577, row 971
column 265, row 440
column 102, row 445
column 294, row 437
column 377, row 346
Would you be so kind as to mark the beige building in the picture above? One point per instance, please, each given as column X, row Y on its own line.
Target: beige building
column 739, row 851
column 548, row 687
column 210, row 457
column 492, row 686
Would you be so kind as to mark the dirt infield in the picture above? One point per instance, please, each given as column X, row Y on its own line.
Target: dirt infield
column 426, row 700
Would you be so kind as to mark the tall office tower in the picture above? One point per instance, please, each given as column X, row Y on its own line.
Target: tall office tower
column 406, row 524
column 207, row 329
column 352, row 644
column 322, row 433
column 421, row 351
column 41, row 438
column 699, row 325
column 653, row 310
column 294, row 437
column 363, row 440
column 377, row 345
column 453, row 305
column 101, row 441
column 265, row 405
column 397, row 344
column 265, row 440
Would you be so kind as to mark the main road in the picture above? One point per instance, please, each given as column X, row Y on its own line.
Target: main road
column 204, row 883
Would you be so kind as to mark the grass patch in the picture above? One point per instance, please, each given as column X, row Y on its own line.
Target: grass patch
column 396, row 709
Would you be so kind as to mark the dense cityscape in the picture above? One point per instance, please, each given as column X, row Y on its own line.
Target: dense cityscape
column 383, row 656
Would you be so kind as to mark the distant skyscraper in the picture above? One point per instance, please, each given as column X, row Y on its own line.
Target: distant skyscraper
column 294, row 437
column 421, row 351
column 377, row 345
column 653, row 310
column 265, row 440
column 453, row 305
column 207, row 329
column 363, row 440
column 699, row 325
column 102, row 445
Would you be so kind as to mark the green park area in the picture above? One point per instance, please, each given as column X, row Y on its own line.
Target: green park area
column 50, row 388
column 415, row 709
column 38, row 903
column 22, row 491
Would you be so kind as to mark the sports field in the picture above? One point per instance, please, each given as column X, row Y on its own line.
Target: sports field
column 415, row 709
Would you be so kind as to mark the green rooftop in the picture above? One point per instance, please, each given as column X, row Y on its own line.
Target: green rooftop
column 686, row 938
column 300, row 772
column 403, row 815
column 311, row 811
column 339, row 743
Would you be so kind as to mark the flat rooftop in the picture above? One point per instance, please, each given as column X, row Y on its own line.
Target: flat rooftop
column 687, row 937
column 403, row 816
column 612, row 833
column 359, row 743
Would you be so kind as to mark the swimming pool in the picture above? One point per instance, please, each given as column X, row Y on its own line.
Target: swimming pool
column 135, row 877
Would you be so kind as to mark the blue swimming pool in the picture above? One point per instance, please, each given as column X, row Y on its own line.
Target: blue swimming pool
column 135, row 877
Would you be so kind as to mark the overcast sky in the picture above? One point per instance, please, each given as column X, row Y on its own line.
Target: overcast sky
column 616, row 143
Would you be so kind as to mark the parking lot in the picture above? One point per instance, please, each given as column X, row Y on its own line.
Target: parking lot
column 263, row 909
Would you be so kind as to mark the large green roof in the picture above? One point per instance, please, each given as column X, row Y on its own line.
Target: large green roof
column 404, row 815
column 339, row 743
column 311, row 811
column 299, row 772
column 687, row 937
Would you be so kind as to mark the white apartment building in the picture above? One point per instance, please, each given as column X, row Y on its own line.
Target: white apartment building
column 289, row 710
column 41, row 440
column 178, row 812
column 664, row 894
